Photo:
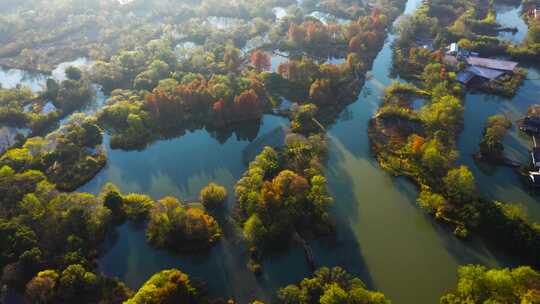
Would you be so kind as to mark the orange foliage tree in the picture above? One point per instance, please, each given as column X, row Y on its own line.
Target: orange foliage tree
column 261, row 61
column 247, row 106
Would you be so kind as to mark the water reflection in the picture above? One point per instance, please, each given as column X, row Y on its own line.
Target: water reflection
column 382, row 235
column 398, row 243
column 183, row 165
column 498, row 182
column 10, row 78
column 510, row 17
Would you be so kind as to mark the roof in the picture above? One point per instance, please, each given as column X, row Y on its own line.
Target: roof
column 484, row 72
column 532, row 120
column 535, row 178
column 464, row 77
column 495, row 64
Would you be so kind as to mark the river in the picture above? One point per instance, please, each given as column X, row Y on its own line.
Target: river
column 382, row 235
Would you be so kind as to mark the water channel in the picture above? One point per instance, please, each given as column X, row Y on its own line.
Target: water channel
column 382, row 235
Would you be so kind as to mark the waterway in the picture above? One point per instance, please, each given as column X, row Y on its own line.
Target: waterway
column 10, row 78
column 382, row 235
column 510, row 16
column 501, row 183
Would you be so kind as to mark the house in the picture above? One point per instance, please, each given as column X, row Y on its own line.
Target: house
column 464, row 77
column 485, row 69
column 534, row 178
column 535, row 154
column 488, row 74
column 475, row 71
column 453, row 49
column 494, row 64
column 530, row 124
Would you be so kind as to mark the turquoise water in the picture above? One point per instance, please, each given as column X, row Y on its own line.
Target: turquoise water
column 509, row 16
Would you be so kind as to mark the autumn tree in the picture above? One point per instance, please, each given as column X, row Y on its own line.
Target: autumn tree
column 248, row 106
column 261, row 61
column 213, row 196
column 178, row 227
column 167, row 286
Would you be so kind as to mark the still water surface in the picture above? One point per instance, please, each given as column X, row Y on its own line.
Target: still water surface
column 510, row 16
column 499, row 182
column 382, row 236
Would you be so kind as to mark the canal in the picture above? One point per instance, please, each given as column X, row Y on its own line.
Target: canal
column 382, row 235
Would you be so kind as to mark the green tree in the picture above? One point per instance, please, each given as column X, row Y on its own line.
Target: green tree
column 477, row 284
column 433, row 158
column 491, row 147
column 41, row 289
column 254, row 231
column 175, row 226
column 329, row 286
column 166, row 287
column 73, row 73
column 75, row 280
column 333, row 294
column 459, row 185
column 213, row 196
column 112, row 199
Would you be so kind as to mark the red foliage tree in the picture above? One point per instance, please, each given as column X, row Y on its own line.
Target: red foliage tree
column 356, row 44
column 190, row 98
column 219, row 113
column 296, row 34
column 261, row 61
column 247, row 106
column 283, row 70
column 320, row 92
column 370, row 39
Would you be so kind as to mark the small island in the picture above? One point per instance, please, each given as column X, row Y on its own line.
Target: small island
column 491, row 147
column 177, row 227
